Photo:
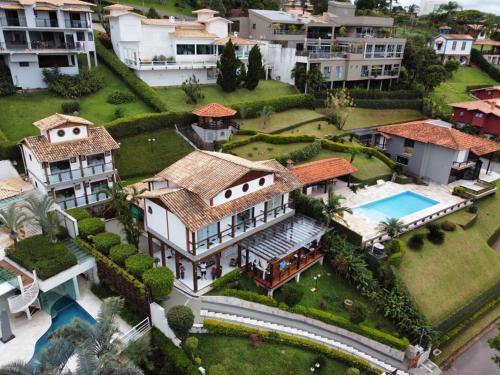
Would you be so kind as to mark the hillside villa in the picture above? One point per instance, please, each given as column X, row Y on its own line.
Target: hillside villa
column 450, row 46
column 484, row 115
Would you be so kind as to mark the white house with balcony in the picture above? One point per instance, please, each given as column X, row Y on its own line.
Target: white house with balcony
column 210, row 213
column 166, row 52
column 450, row 46
column 70, row 160
column 38, row 35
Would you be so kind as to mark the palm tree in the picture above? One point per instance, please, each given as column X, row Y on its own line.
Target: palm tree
column 393, row 227
column 265, row 114
column 333, row 208
column 12, row 218
column 43, row 215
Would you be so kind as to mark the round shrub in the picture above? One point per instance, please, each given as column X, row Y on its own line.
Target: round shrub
column 292, row 293
column 90, row 227
column 353, row 371
column 105, row 241
column 70, row 107
column 473, row 209
column 78, row 213
column 120, row 253
column 120, row 97
column 137, row 264
column 436, row 237
column 394, row 246
column 160, row 280
column 416, row 242
column 180, row 319
column 357, row 313
column 448, row 226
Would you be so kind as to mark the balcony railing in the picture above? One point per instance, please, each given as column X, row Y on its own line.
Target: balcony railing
column 15, row 45
column 72, row 174
column 237, row 229
column 321, row 54
column 77, row 24
column 82, row 201
column 289, row 32
column 463, row 164
column 150, row 64
column 13, row 21
column 241, row 54
column 43, row 22
column 39, row 45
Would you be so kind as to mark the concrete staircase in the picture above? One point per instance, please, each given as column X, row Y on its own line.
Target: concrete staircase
column 81, row 255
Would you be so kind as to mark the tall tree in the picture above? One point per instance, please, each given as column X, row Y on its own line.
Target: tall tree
column 44, row 215
column 338, row 107
column 265, row 114
column 314, row 81
column 228, row 66
column 255, row 68
column 333, row 207
column 13, row 217
column 393, row 227
column 192, row 89
column 299, row 76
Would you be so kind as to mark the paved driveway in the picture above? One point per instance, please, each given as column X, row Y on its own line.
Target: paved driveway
column 477, row 359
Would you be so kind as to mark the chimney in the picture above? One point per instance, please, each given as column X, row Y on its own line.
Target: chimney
column 289, row 164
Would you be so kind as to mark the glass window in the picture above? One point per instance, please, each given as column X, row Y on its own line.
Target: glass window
column 90, row 36
column 211, row 74
column 369, row 49
column 454, row 45
column 274, row 203
column 204, row 49
column 326, row 72
column 409, row 143
column 402, row 160
column 338, row 72
column 399, row 50
column 80, row 36
column 209, row 231
column 380, row 50
column 253, row 26
column 365, row 71
column 185, row 49
column 24, row 64
column 376, row 70
column 464, row 44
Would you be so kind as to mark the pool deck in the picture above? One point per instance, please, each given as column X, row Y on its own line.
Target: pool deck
column 368, row 228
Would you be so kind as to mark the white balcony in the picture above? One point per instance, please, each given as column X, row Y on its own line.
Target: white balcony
column 171, row 64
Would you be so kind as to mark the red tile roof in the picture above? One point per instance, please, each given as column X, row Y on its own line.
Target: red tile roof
column 322, row 170
column 457, row 36
column 214, row 110
column 426, row 132
column 485, row 106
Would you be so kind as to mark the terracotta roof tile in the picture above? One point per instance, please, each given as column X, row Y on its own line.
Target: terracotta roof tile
column 192, row 33
column 58, row 119
column 486, row 106
column 98, row 140
column 214, row 110
column 322, row 170
column 10, row 187
column 236, row 40
column 427, row 132
column 457, row 36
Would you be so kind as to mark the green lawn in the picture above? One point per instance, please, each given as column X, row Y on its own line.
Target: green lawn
column 442, row 278
column 366, row 117
column 280, row 120
column 265, row 151
column 240, row 356
column 454, row 89
column 332, row 291
column 316, row 128
column 176, row 98
column 169, row 6
column 138, row 157
column 21, row 110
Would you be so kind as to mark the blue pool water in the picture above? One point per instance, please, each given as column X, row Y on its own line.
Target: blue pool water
column 63, row 312
column 395, row 206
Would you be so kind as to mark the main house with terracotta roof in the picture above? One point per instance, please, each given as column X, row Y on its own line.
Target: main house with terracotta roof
column 165, row 52
column 433, row 150
column 484, row 115
column 37, row 35
column 210, row 213
column 450, row 46
column 70, row 160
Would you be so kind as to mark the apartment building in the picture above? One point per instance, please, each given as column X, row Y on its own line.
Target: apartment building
column 166, row 52
column 346, row 48
column 38, row 35
column 210, row 213
column 70, row 160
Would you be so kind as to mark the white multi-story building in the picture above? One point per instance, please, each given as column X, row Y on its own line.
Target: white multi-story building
column 70, row 160
column 166, row 52
column 453, row 46
column 37, row 35
column 215, row 212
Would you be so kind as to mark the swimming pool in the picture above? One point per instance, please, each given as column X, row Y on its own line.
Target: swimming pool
column 63, row 312
column 395, row 206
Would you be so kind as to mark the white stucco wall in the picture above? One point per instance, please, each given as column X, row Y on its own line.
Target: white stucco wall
column 176, row 231
column 159, row 78
column 157, row 219
column 237, row 191
column 447, row 46
column 69, row 134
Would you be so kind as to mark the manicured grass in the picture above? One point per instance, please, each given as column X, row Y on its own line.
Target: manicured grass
column 169, row 6
column 264, row 151
column 366, row 117
column 317, row 128
column 21, row 110
column 442, row 278
column 332, row 290
column 240, row 356
column 176, row 98
column 454, row 89
column 138, row 157
column 280, row 120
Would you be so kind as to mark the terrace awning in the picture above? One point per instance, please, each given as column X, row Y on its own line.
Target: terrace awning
column 285, row 238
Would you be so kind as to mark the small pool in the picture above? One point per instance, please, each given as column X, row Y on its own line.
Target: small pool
column 63, row 311
column 395, row 206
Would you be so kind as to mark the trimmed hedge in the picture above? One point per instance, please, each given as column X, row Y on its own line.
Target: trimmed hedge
column 478, row 59
column 138, row 264
column 252, row 109
column 377, row 94
column 174, row 355
column 105, row 241
column 269, row 138
column 363, row 330
column 160, row 281
column 229, row 329
column 228, row 278
column 303, row 154
column 110, row 264
column 120, row 253
column 40, row 254
column 78, row 213
column 90, row 227
column 250, row 296
column 389, row 103
column 335, row 146
column 138, row 86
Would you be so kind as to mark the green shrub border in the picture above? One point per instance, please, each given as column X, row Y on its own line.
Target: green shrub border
column 229, row 329
column 229, row 277
column 179, row 359
column 298, row 124
column 389, row 103
column 478, row 59
column 250, row 296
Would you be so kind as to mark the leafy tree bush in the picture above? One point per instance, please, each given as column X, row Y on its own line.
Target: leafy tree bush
column 191, row 346
column 448, row 226
column 70, row 107
column 90, row 227
column 338, row 107
column 416, row 241
column 180, row 319
column 451, row 66
column 138, row 264
column 120, row 97
column 394, row 246
column 78, row 213
column 6, row 85
column 120, row 253
column 72, row 86
column 160, row 280
column 105, row 241
column 152, row 13
column 357, row 313
column 228, row 66
column 119, row 113
column 192, row 89
column 292, row 293
column 435, row 235
column 255, row 68
column 473, row 209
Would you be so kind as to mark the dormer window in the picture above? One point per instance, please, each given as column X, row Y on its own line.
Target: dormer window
column 262, row 181
column 245, row 188
column 61, row 133
column 76, row 131
column 228, row 193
